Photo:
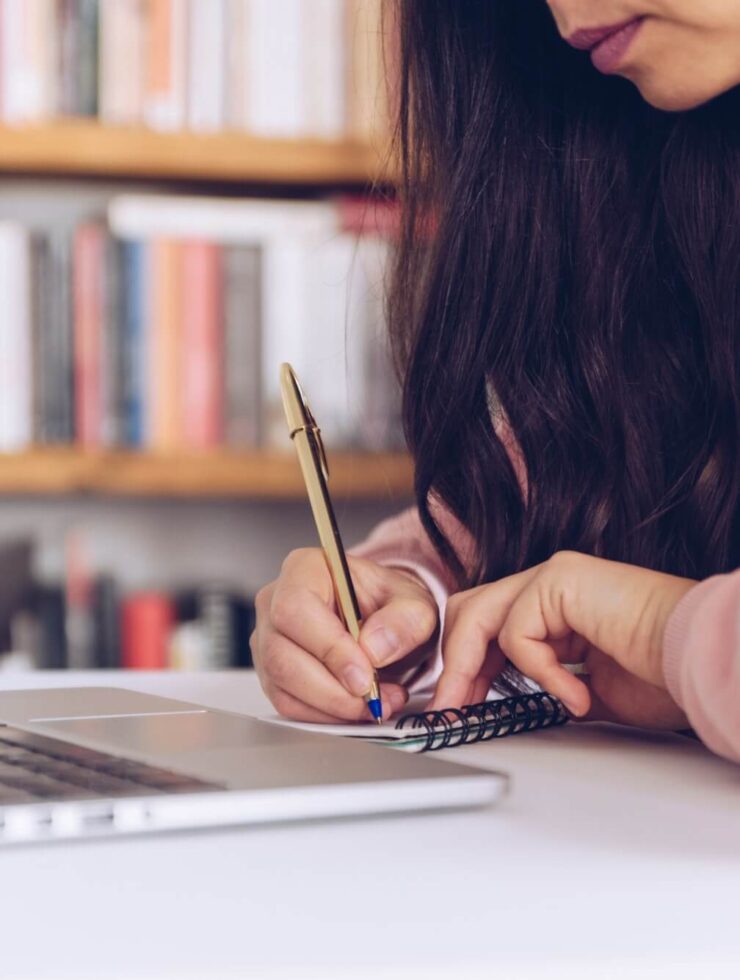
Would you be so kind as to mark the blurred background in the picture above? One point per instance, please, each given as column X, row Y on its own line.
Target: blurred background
column 191, row 192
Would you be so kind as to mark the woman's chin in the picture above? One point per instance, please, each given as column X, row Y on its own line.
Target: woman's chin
column 673, row 97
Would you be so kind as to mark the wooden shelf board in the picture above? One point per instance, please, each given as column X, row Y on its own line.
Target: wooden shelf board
column 87, row 148
column 258, row 475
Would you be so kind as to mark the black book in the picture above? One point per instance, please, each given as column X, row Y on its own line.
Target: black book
column 106, row 623
column 50, row 608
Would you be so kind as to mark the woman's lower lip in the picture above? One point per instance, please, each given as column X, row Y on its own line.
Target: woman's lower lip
column 608, row 55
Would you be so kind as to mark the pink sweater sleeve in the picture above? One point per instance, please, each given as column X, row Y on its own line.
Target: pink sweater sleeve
column 701, row 661
column 402, row 542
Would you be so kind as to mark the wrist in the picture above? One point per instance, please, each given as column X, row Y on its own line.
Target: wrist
column 672, row 592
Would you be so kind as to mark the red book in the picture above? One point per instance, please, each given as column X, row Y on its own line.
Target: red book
column 164, row 379
column 88, row 299
column 147, row 620
column 202, row 345
column 363, row 215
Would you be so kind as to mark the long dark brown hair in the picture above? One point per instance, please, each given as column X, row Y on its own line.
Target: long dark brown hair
column 578, row 252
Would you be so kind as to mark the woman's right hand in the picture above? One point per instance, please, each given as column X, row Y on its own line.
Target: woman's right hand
column 309, row 665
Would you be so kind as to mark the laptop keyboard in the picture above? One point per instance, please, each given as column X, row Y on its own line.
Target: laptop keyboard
column 34, row 768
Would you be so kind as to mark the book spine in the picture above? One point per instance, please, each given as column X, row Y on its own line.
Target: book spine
column 373, row 382
column 112, row 406
column 147, row 620
column 327, row 300
column 207, row 55
column 87, row 58
column 50, row 611
column 79, row 612
column 165, row 97
column 68, row 57
column 39, row 341
column 15, row 339
column 106, row 623
column 44, row 32
column 236, row 103
column 244, row 618
column 325, row 68
column 122, row 61
column 242, row 333
column 202, row 345
column 249, row 221
column 135, row 278
column 217, row 619
column 286, row 322
column 276, row 88
column 88, row 270
column 12, row 68
column 367, row 111
column 165, row 317
column 58, row 342
column 25, row 52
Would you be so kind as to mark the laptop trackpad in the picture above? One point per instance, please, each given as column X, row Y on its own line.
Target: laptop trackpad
column 167, row 734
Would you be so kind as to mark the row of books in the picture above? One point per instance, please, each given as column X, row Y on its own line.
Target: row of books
column 163, row 327
column 87, row 620
column 206, row 628
column 291, row 68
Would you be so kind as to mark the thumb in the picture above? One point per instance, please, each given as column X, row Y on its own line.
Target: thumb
column 398, row 628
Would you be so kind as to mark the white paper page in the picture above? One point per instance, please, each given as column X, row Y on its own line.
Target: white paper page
column 351, row 729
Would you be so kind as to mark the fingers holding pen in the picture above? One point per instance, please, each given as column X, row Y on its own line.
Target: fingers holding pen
column 287, row 672
column 300, row 615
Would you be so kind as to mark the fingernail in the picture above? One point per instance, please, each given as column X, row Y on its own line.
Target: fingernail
column 571, row 707
column 356, row 680
column 382, row 644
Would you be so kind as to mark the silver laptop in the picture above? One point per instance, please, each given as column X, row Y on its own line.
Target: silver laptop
column 93, row 762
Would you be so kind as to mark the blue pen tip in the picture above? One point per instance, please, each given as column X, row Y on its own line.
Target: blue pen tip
column 376, row 708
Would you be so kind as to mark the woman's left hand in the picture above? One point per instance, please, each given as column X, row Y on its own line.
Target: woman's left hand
column 573, row 608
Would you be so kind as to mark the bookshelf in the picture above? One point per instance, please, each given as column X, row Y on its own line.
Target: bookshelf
column 190, row 475
column 139, row 345
column 90, row 149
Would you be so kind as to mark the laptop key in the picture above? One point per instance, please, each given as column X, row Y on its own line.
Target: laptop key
column 37, row 767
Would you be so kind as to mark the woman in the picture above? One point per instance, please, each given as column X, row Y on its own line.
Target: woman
column 568, row 338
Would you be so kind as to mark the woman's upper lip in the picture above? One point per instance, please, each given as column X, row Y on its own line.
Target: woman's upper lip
column 588, row 37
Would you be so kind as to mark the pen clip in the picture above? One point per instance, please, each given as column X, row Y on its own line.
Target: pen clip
column 315, row 433
column 300, row 417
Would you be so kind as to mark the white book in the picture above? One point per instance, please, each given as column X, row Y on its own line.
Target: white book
column 206, row 65
column 246, row 221
column 25, row 57
column 374, row 388
column 121, row 61
column 285, row 328
column 324, row 374
column 167, row 48
column 276, row 89
column 325, row 68
column 236, row 103
column 15, row 338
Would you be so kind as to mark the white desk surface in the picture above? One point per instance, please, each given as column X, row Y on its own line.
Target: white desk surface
column 616, row 854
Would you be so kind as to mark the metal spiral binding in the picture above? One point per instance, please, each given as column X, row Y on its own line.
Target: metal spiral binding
column 487, row 720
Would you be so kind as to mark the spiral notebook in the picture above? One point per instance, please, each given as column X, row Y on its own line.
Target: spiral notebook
column 427, row 731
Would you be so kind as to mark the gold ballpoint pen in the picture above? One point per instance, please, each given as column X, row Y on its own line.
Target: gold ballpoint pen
column 306, row 437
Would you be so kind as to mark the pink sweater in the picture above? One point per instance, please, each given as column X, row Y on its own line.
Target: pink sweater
column 701, row 646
